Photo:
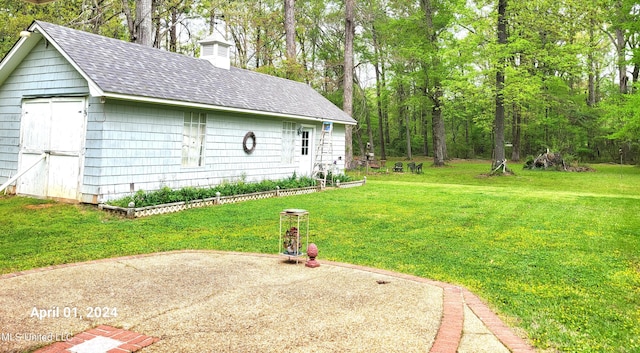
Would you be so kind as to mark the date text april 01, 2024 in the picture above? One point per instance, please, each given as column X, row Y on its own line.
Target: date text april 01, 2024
column 92, row 312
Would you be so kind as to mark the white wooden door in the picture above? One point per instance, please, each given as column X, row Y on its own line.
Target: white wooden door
column 306, row 151
column 34, row 140
column 55, row 126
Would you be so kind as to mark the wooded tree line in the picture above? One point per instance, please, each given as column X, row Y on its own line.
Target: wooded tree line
column 444, row 78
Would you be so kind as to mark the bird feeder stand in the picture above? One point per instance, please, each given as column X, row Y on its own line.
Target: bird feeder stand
column 294, row 229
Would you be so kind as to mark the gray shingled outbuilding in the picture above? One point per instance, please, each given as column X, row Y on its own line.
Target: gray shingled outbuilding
column 98, row 118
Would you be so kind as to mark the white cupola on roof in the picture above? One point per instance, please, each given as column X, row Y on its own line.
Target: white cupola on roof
column 216, row 49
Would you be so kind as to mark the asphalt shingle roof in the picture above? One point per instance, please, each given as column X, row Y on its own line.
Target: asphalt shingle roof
column 120, row 67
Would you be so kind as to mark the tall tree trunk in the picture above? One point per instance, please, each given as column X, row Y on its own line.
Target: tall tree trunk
column 438, row 130
column 131, row 21
column 499, row 117
column 258, row 54
column 144, row 25
column 241, row 48
column 376, row 51
column 635, row 62
column 591, row 99
column 290, row 29
column 259, row 42
column 347, row 106
column 408, row 133
column 367, row 119
column 622, row 66
column 303, row 54
column 470, row 150
column 425, row 130
column 385, row 104
column 404, row 115
column 155, row 24
column 591, row 86
column 173, row 35
column 437, row 121
column 516, row 134
column 358, row 133
column 620, row 45
column 212, row 21
column 290, row 36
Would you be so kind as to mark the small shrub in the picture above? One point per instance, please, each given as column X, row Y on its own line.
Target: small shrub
column 306, row 182
column 166, row 195
column 331, row 178
column 343, row 178
column 188, row 194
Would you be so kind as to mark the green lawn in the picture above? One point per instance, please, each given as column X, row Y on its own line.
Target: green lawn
column 557, row 254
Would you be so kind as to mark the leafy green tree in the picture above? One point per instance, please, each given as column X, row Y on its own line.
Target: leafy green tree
column 373, row 17
column 101, row 17
column 621, row 119
column 436, row 65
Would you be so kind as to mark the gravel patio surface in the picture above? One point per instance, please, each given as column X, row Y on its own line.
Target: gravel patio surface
column 204, row 301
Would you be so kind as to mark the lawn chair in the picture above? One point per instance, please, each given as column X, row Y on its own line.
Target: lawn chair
column 411, row 166
column 419, row 168
column 397, row 167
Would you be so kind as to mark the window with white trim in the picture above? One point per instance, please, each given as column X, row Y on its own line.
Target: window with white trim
column 288, row 141
column 193, row 139
column 305, row 142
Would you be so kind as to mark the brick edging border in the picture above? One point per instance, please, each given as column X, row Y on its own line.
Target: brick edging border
column 454, row 298
column 131, row 341
column 450, row 331
column 513, row 342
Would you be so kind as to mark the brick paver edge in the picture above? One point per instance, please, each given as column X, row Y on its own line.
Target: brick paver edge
column 450, row 332
column 131, row 341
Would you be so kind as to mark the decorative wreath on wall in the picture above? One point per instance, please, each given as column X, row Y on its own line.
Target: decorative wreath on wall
column 249, row 136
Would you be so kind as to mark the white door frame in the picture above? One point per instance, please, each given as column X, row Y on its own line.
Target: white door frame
column 306, row 160
column 60, row 175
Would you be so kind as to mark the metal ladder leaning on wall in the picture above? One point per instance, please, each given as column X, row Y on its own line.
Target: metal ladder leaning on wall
column 323, row 164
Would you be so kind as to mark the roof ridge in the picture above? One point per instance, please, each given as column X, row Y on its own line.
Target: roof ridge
column 132, row 71
column 273, row 77
column 115, row 40
column 166, row 52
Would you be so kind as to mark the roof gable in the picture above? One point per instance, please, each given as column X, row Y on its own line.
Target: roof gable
column 131, row 71
column 14, row 57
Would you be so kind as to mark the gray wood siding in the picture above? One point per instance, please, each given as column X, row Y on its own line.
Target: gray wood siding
column 338, row 146
column 142, row 145
column 90, row 187
column 43, row 73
